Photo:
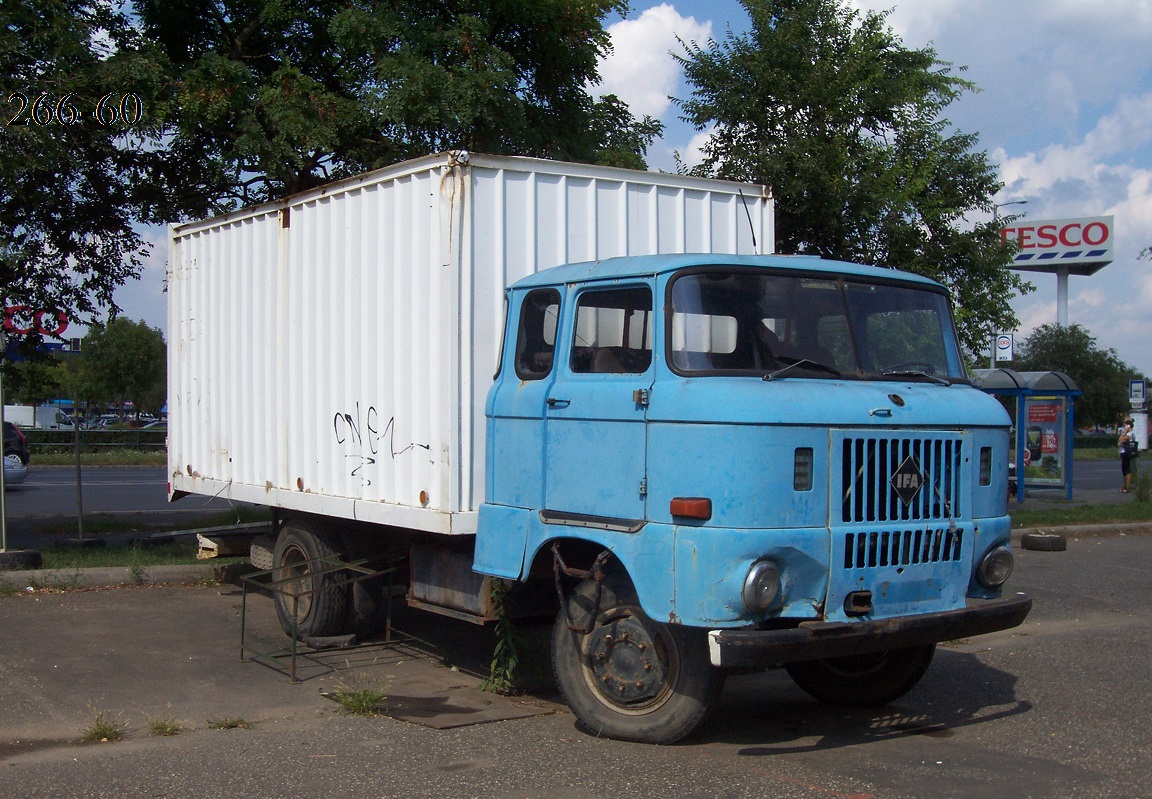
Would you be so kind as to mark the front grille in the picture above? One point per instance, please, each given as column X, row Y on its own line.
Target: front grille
column 868, row 463
column 902, row 548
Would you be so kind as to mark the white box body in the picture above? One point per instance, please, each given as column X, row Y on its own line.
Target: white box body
column 331, row 352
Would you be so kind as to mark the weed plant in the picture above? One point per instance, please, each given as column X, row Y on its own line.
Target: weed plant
column 164, row 727
column 230, row 723
column 104, row 728
column 359, row 698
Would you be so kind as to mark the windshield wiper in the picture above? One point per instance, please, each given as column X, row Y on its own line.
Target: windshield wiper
column 801, row 363
column 914, row 373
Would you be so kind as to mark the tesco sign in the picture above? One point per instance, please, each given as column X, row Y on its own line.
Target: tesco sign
column 1057, row 244
column 21, row 319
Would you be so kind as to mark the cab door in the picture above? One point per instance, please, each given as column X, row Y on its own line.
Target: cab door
column 595, row 411
column 516, row 403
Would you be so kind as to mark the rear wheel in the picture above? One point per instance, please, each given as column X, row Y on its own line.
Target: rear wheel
column 863, row 680
column 320, row 608
column 631, row 678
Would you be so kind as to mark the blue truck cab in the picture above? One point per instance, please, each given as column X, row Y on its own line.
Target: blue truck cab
column 740, row 462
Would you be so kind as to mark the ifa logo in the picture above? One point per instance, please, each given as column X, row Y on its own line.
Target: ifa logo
column 907, row 480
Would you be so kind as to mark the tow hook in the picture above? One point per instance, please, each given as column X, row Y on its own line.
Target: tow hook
column 596, row 573
column 858, row 603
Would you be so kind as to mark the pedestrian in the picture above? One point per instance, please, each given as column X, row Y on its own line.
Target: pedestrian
column 1126, row 453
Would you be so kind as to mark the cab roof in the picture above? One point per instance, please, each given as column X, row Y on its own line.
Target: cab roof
column 633, row 266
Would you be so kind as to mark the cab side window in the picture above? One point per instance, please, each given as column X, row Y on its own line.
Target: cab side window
column 536, row 334
column 613, row 332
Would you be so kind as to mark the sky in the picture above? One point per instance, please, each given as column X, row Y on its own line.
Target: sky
column 1064, row 112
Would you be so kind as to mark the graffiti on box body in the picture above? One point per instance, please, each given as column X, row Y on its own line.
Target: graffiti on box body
column 358, row 431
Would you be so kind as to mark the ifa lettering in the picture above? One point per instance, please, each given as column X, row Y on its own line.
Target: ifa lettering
column 912, row 481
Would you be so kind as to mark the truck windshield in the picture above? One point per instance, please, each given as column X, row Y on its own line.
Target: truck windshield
column 731, row 321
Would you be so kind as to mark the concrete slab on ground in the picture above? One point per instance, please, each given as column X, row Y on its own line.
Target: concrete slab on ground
column 173, row 652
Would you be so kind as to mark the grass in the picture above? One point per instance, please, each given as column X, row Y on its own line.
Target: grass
column 104, row 728
column 230, row 723
column 1098, row 454
column 1083, row 514
column 359, row 698
column 110, row 457
column 97, row 525
column 137, row 559
column 164, row 727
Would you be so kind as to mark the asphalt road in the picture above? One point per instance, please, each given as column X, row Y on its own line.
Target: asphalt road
column 1057, row 708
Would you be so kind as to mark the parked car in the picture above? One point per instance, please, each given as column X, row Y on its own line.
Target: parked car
column 16, row 455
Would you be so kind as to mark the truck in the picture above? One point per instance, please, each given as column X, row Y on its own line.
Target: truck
column 593, row 395
column 39, row 417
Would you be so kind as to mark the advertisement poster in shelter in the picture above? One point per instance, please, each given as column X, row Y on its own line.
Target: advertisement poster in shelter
column 1044, row 445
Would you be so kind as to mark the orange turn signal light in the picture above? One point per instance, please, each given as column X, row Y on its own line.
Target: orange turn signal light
column 692, row 507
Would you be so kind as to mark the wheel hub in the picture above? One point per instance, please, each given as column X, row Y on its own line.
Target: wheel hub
column 625, row 662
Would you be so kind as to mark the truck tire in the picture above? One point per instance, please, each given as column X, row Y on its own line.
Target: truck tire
column 321, row 608
column 1044, row 542
column 863, row 680
column 630, row 678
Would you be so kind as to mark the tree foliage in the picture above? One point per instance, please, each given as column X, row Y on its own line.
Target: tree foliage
column 32, row 382
column 69, row 193
column 249, row 100
column 826, row 106
column 271, row 97
column 128, row 361
column 1099, row 373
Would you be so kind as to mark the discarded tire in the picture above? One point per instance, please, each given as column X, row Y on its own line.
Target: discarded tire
column 14, row 559
column 1044, row 542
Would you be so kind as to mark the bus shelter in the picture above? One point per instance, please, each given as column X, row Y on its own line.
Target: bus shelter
column 1044, row 417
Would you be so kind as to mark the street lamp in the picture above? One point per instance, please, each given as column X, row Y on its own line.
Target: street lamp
column 996, row 208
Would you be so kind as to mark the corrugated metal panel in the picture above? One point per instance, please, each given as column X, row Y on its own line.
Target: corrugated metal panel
column 332, row 352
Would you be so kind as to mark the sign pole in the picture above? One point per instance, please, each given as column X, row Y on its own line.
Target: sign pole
column 1062, row 296
column 3, row 487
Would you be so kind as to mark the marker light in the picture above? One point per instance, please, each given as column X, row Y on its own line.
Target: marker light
column 692, row 507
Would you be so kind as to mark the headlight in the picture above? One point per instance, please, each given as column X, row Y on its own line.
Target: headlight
column 761, row 586
column 995, row 568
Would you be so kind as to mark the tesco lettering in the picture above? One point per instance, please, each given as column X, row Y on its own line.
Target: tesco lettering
column 22, row 320
column 1051, row 236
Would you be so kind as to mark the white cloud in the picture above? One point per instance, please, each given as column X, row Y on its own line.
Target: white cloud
column 1045, row 68
column 640, row 70
column 693, row 152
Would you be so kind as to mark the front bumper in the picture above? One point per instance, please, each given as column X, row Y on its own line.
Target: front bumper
column 755, row 649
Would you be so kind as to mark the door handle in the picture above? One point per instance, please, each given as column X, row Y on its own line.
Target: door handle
column 555, row 402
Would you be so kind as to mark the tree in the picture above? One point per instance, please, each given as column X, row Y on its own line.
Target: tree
column 127, row 361
column 1100, row 374
column 32, row 381
column 273, row 97
column 826, row 106
column 69, row 180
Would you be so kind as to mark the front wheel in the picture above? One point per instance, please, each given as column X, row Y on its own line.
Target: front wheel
column 863, row 680
column 631, row 678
